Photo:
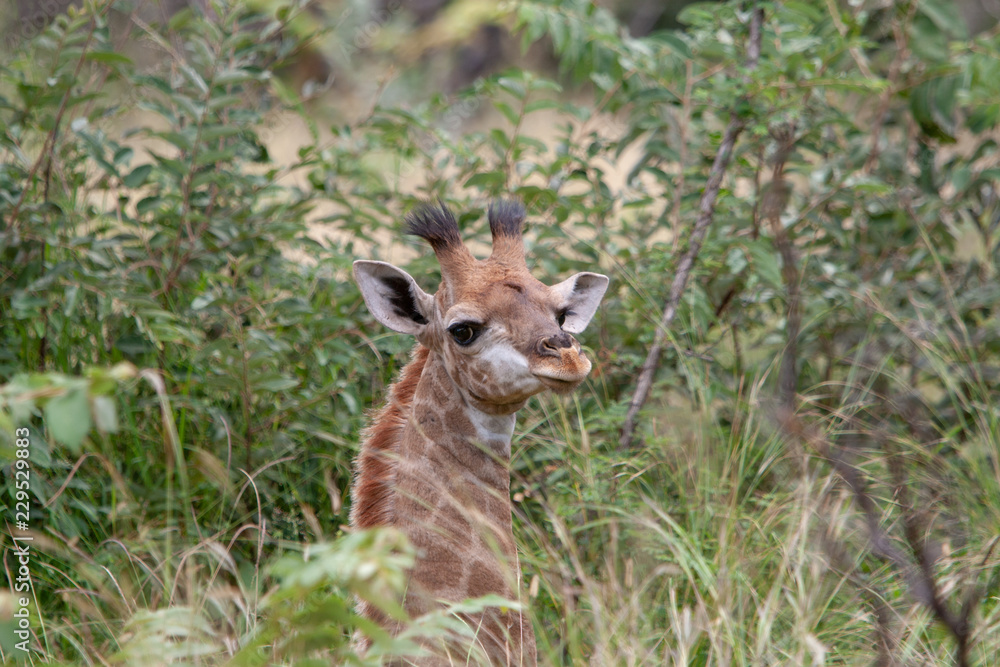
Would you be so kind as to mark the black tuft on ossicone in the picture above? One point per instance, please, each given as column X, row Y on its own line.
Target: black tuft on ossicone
column 436, row 224
column 506, row 217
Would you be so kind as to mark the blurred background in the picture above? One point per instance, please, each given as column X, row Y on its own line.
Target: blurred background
column 814, row 474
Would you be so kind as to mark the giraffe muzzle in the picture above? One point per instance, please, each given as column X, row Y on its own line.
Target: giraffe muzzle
column 563, row 371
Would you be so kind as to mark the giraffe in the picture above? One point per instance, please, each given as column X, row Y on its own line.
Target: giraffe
column 435, row 461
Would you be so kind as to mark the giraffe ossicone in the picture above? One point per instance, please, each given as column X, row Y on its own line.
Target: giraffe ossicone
column 435, row 461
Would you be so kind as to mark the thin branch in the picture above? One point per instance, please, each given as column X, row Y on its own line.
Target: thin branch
column 917, row 569
column 705, row 216
column 901, row 34
column 886, row 641
column 957, row 624
column 675, row 215
column 772, row 205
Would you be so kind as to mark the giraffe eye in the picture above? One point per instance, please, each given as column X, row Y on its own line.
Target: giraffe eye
column 464, row 333
column 561, row 317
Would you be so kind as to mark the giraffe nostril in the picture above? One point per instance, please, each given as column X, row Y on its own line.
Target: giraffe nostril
column 550, row 345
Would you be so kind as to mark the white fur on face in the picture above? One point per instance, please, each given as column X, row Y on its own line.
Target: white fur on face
column 507, row 368
column 492, row 375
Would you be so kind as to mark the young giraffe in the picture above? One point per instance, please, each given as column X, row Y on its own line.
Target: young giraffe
column 434, row 463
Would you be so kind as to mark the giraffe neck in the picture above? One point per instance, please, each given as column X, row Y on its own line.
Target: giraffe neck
column 453, row 502
column 453, row 489
column 432, row 462
column 442, row 418
column 436, row 468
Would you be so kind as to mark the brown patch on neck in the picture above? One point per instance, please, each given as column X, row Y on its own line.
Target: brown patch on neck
column 374, row 485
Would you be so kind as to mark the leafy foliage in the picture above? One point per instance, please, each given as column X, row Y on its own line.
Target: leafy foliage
column 193, row 364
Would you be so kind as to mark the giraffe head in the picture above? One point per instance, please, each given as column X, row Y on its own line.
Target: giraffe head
column 502, row 334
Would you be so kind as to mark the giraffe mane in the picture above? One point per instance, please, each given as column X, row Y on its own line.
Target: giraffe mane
column 374, row 484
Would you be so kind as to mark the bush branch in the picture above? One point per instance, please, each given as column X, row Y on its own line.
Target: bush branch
column 705, row 216
column 917, row 568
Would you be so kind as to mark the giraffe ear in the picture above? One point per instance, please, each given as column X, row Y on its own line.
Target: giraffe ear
column 393, row 297
column 580, row 296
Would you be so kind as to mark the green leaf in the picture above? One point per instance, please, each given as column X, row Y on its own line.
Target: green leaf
column 927, row 40
column 698, row 14
column 234, row 76
column 538, row 105
column 137, row 176
column 933, row 106
column 513, row 86
column 945, row 15
column 275, row 382
column 214, row 157
column 182, row 140
column 285, row 93
column 220, row 131
column 983, row 118
column 181, row 20
column 148, row 205
column 68, row 417
column 507, row 112
column 487, row 180
column 194, row 77
column 765, row 262
column 123, row 155
column 105, row 414
column 109, row 57
column 736, row 261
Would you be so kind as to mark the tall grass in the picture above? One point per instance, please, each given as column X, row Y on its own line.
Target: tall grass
column 742, row 546
column 195, row 369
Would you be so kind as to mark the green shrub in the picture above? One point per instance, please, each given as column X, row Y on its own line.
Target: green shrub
column 193, row 366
